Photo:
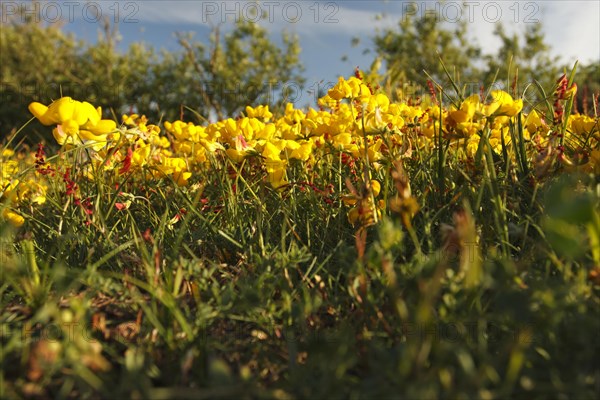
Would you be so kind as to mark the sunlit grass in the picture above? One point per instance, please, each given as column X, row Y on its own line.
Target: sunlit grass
column 372, row 249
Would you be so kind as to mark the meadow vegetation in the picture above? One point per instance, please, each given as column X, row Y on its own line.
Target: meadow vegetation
column 445, row 245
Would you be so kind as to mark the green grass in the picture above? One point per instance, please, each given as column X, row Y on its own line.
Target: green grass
column 491, row 291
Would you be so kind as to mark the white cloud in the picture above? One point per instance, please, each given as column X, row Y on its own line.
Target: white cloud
column 572, row 28
column 310, row 18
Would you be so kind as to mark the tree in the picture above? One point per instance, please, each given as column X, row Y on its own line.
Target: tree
column 39, row 62
column 244, row 67
column 522, row 60
column 34, row 59
column 418, row 45
column 422, row 43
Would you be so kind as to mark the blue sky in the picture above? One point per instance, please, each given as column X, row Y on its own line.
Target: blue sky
column 326, row 28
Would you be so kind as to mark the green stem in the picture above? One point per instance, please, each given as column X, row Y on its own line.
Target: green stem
column 29, row 250
column 499, row 214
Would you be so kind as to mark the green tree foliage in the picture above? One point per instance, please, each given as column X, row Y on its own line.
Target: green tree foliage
column 419, row 42
column 417, row 46
column 528, row 53
column 40, row 62
column 242, row 67
column 116, row 79
column 522, row 60
column 34, row 64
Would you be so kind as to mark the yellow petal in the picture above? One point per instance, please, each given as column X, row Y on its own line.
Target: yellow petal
column 40, row 111
column 303, row 152
column 182, row 178
column 353, row 215
column 70, row 127
column 271, row 152
column 62, row 109
column 97, row 116
column 85, row 112
column 59, row 135
column 87, row 135
column 235, row 155
column 102, row 127
column 13, row 218
column 375, row 187
column 349, row 199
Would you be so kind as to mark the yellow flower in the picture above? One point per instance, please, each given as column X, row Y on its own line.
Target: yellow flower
column 181, row 178
column 473, row 145
column 572, row 91
column 360, row 91
column 141, row 154
column 11, row 191
column 276, row 173
column 240, row 150
column 211, row 146
column 583, row 124
column 40, row 111
column 375, row 187
column 353, row 216
column 327, row 102
column 271, row 152
column 373, row 151
column 594, row 163
column 74, row 120
column 341, row 90
column 259, row 112
column 65, row 109
column 503, row 104
column 302, row 151
column 352, row 88
column 13, row 218
column 533, row 123
column 467, row 110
